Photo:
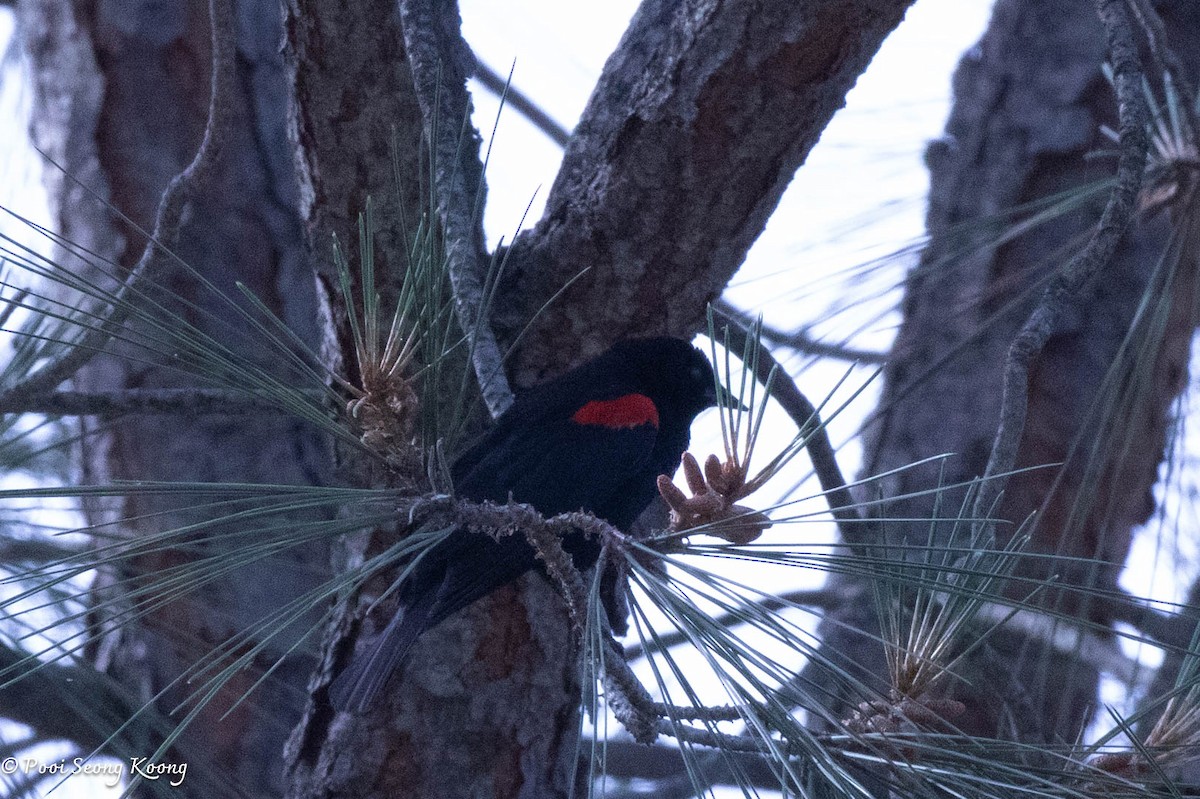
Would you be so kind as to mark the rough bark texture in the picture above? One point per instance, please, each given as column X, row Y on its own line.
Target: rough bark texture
column 1029, row 100
column 121, row 99
column 700, row 121
column 487, row 705
column 355, row 127
column 701, row 117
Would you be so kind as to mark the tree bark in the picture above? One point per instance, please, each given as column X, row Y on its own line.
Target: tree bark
column 120, row 102
column 1029, row 101
column 700, row 120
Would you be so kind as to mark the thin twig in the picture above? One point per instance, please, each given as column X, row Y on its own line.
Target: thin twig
column 63, row 701
column 1065, row 286
column 799, row 340
column 441, row 62
column 183, row 401
column 165, row 236
column 1168, row 62
column 636, row 709
column 537, row 116
column 35, row 550
column 825, row 599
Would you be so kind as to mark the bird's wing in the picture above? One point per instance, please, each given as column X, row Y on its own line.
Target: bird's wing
column 558, row 466
column 594, row 457
column 581, row 459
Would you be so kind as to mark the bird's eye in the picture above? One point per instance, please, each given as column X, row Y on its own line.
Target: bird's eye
column 697, row 373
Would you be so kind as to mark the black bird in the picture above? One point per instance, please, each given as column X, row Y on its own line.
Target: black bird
column 595, row 439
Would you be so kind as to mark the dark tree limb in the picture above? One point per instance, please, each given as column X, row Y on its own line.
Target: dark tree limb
column 804, row 414
column 66, row 702
column 820, row 599
column 181, row 401
column 798, row 340
column 625, row 760
column 697, row 125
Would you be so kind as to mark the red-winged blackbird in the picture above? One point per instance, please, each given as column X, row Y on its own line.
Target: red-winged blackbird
column 594, row 439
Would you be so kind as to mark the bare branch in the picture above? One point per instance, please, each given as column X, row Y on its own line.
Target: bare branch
column 441, row 62
column 65, row 702
column 164, row 237
column 1067, row 283
column 522, row 103
column 799, row 340
column 665, row 764
column 826, row 598
column 182, row 401
column 34, row 550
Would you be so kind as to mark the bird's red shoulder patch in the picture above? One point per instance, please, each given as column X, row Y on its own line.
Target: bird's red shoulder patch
column 627, row 410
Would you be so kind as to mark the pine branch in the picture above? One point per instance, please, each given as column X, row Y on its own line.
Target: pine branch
column 826, row 598
column 441, row 62
column 63, row 702
column 667, row 766
column 165, row 236
column 799, row 340
column 540, row 119
column 820, row 450
column 1065, row 286
column 34, row 550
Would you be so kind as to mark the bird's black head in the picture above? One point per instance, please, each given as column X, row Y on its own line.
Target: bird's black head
column 673, row 373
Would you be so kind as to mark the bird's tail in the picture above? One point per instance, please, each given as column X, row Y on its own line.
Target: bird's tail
column 356, row 688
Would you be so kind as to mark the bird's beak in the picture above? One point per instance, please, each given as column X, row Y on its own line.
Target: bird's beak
column 719, row 396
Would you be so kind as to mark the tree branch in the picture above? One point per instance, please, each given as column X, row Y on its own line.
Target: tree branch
column 665, row 764
column 1067, row 283
column 799, row 340
column 697, row 125
column 522, row 103
column 165, row 236
column 182, row 401
column 63, row 702
column 825, row 599
column 441, row 62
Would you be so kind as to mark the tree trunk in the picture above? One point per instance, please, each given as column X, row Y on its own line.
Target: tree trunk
column 1029, row 101
column 121, row 101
